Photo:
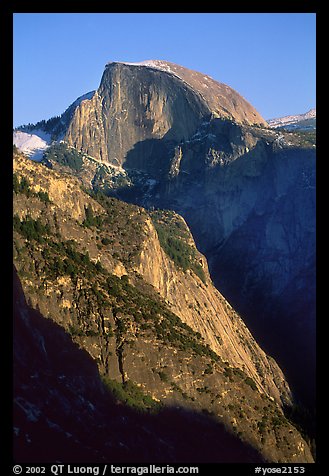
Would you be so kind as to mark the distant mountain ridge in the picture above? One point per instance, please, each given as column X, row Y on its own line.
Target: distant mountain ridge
column 304, row 121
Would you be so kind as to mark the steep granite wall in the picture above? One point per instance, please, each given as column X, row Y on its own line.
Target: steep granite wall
column 158, row 327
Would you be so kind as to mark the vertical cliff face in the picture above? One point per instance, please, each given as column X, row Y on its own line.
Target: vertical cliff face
column 255, row 191
column 86, row 129
column 222, row 100
column 140, row 110
column 152, row 320
column 198, row 303
column 133, row 109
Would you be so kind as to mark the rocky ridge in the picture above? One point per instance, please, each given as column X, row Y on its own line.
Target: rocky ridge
column 70, row 252
column 305, row 121
column 143, row 104
column 222, row 100
column 63, row 410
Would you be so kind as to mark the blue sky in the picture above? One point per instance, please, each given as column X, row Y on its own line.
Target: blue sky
column 269, row 58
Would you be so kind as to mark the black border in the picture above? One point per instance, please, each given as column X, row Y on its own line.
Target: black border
column 6, row 42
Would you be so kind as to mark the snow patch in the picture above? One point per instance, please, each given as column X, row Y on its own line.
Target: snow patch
column 286, row 120
column 32, row 144
column 156, row 64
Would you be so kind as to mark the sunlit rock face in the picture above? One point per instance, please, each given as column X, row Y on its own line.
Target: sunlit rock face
column 134, row 105
column 140, row 109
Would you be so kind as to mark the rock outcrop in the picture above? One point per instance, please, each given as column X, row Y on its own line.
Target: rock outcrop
column 222, row 100
column 63, row 411
column 102, row 271
column 139, row 110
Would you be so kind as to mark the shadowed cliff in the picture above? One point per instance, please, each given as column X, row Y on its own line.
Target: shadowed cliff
column 63, row 412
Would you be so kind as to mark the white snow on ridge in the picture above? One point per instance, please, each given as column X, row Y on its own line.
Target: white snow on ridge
column 152, row 63
column 156, row 64
column 33, row 145
column 286, row 120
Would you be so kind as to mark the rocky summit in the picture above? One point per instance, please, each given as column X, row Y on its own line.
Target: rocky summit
column 158, row 174
column 149, row 102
